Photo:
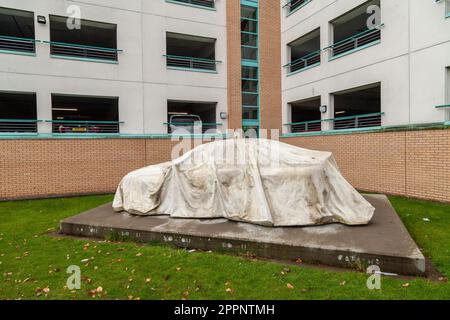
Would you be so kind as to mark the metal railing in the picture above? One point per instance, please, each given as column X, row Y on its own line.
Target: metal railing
column 194, row 128
column 18, row 44
column 360, row 121
column 81, row 51
column 201, row 3
column 368, row 120
column 359, row 40
column 306, row 126
column 293, row 5
column 18, row 125
column 69, row 126
column 191, row 63
column 306, row 61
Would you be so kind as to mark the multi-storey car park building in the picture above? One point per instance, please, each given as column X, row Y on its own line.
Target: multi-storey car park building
column 82, row 104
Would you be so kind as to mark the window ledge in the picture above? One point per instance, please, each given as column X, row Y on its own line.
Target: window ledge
column 191, row 5
column 55, row 56
column 355, row 50
column 332, row 132
column 192, row 70
column 59, row 136
column 20, row 53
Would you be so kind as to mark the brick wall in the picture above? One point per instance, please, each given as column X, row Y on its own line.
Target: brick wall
column 270, row 64
column 234, row 64
column 409, row 163
column 43, row 168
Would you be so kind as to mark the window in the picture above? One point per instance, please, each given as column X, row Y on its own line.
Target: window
column 350, row 31
column 304, row 52
column 191, row 116
column 190, row 52
column 358, row 107
column 94, row 41
column 18, row 112
column 197, row 3
column 249, row 33
column 17, row 31
column 250, row 69
column 305, row 115
column 82, row 114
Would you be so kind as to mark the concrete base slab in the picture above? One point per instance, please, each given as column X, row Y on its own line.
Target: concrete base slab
column 384, row 242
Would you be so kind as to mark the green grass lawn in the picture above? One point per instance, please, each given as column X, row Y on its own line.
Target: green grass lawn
column 31, row 261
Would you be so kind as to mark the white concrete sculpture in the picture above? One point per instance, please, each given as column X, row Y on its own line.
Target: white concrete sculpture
column 257, row 181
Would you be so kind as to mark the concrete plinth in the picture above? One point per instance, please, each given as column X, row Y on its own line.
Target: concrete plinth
column 384, row 242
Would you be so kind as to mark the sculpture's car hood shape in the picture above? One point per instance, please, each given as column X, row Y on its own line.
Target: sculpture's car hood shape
column 251, row 180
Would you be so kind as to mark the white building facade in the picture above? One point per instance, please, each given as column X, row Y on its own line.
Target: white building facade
column 132, row 68
column 373, row 63
column 346, row 65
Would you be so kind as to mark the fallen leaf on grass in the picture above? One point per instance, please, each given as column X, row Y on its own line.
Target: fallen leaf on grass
column 86, row 279
column 148, row 280
column 96, row 292
column 229, row 290
column 289, row 286
column 138, row 254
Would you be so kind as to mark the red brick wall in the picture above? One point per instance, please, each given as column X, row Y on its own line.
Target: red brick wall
column 234, row 64
column 43, row 168
column 270, row 64
column 428, row 164
column 409, row 163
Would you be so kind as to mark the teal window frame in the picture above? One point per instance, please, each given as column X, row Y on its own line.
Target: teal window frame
column 254, row 63
column 193, row 5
